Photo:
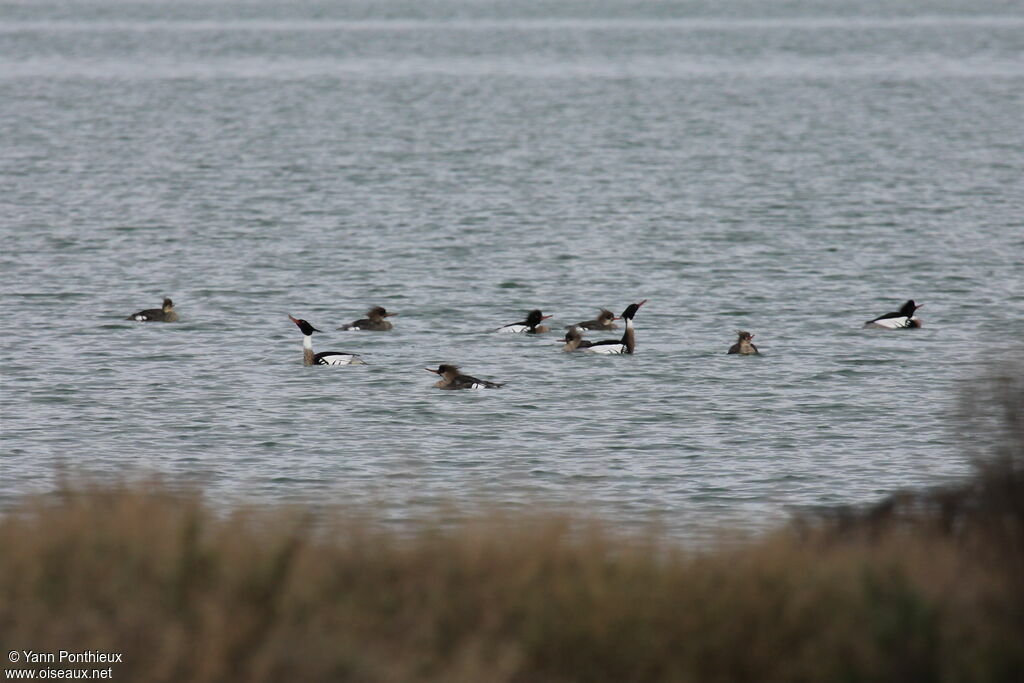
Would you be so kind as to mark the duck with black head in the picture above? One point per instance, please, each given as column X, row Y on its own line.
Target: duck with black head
column 898, row 320
column 625, row 345
column 324, row 357
column 529, row 326
column 451, row 378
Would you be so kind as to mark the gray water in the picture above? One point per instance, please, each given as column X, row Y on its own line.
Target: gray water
column 792, row 169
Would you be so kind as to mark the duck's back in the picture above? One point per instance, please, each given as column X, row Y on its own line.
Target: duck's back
column 467, row 382
column 369, row 325
column 153, row 315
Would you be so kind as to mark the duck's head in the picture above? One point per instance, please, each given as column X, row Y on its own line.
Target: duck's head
column 744, row 335
column 168, row 305
column 378, row 312
column 534, row 317
column 632, row 309
column 444, row 370
column 908, row 308
column 605, row 316
column 306, row 328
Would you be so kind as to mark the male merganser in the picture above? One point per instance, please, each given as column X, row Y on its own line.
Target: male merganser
column 451, row 378
column 604, row 321
column 574, row 340
column 374, row 321
column 324, row 357
column 166, row 314
column 744, row 346
column 529, row 326
column 628, row 341
column 900, row 319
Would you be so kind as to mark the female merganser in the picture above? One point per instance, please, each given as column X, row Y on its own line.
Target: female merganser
column 324, row 357
column 451, row 378
column 604, row 321
column 628, row 341
column 744, row 346
column 166, row 314
column 574, row 340
column 529, row 326
column 900, row 319
column 374, row 321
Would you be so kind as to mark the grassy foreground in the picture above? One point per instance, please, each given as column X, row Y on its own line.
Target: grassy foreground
column 924, row 587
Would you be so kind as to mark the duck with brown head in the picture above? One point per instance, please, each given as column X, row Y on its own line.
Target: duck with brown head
column 324, row 357
column 605, row 320
column 574, row 340
column 375, row 321
column 627, row 344
column 743, row 345
column 451, row 378
column 164, row 314
column 529, row 326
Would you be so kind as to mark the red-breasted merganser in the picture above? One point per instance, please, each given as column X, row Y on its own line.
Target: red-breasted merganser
column 451, row 378
column 574, row 340
column 529, row 326
column 605, row 320
column 743, row 345
column 165, row 314
column 324, row 357
column 628, row 342
column 897, row 320
column 374, row 321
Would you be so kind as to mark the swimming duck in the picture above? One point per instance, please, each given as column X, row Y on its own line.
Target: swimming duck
column 743, row 345
column 374, row 321
column 165, row 314
column 451, row 378
column 324, row 357
column 529, row 326
column 896, row 320
column 628, row 342
column 574, row 340
column 605, row 320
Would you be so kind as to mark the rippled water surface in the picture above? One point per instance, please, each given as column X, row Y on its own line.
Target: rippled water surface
column 792, row 169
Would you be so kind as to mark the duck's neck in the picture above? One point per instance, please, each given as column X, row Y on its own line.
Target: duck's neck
column 628, row 338
column 307, row 349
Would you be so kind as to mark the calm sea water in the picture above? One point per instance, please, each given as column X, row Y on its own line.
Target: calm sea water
column 792, row 169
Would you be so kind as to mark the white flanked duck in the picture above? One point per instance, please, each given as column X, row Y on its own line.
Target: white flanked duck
column 324, row 357
column 529, row 326
column 898, row 320
column 627, row 344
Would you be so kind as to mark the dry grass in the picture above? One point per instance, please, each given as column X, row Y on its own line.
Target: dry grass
column 927, row 587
